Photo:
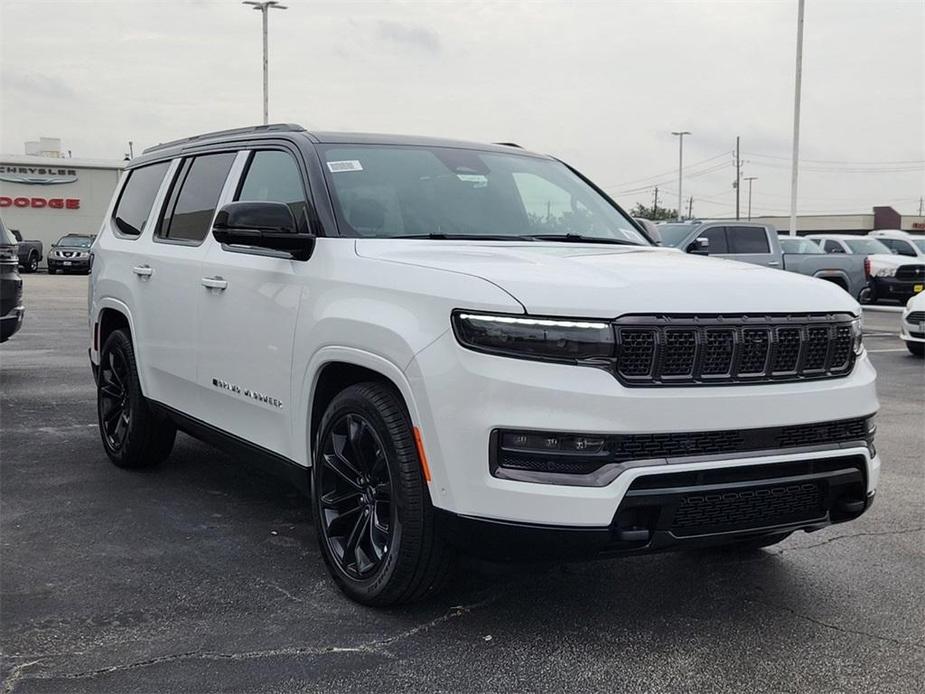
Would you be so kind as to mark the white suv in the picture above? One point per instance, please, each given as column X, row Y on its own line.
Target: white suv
column 457, row 347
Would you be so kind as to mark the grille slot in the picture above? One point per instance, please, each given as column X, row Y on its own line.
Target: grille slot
column 696, row 350
column 916, row 317
column 727, row 510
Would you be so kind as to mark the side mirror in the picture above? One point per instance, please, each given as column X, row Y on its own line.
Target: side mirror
column 262, row 225
column 699, row 246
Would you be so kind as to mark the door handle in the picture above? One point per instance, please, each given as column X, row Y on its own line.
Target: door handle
column 143, row 270
column 773, row 262
column 216, row 282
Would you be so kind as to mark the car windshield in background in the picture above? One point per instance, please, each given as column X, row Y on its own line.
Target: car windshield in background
column 867, row 246
column 393, row 191
column 76, row 241
column 919, row 243
column 803, row 246
column 673, row 234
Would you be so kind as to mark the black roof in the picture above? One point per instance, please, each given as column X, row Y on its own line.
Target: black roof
column 176, row 147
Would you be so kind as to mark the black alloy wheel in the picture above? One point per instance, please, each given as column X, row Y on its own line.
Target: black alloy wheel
column 114, row 403
column 355, row 496
column 33, row 263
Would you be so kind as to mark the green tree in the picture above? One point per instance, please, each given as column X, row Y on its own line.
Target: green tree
column 657, row 215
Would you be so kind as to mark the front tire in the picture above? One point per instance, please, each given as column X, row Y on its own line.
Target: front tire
column 32, row 264
column 133, row 436
column 916, row 348
column 372, row 508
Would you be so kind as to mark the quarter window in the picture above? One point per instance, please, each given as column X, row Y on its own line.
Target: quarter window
column 138, row 193
column 833, row 247
column 747, row 240
column 192, row 204
column 274, row 176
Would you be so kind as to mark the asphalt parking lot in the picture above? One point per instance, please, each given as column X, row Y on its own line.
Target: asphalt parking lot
column 204, row 576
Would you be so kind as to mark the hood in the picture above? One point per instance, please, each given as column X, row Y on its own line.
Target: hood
column 597, row 281
column 878, row 260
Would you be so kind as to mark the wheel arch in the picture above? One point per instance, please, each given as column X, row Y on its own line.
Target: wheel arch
column 110, row 315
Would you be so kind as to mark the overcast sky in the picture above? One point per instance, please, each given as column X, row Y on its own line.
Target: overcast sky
column 600, row 84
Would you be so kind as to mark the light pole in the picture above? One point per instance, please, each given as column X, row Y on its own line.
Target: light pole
column 798, row 81
column 264, row 6
column 680, row 135
column 750, row 179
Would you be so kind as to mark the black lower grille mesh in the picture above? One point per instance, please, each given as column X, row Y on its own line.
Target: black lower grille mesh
column 729, row 510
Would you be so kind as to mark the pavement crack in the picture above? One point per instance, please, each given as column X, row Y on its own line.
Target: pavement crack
column 16, row 674
column 835, row 627
column 374, row 646
column 848, row 536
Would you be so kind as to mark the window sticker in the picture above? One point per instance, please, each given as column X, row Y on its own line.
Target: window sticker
column 348, row 165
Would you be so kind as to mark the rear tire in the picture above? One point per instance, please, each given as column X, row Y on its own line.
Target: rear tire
column 372, row 508
column 32, row 264
column 133, row 436
column 916, row 348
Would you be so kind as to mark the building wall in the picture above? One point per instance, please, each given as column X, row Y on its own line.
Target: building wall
column 46, row 197
column 814, row 224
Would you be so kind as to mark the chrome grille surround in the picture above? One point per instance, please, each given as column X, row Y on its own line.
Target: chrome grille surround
column 673, row 350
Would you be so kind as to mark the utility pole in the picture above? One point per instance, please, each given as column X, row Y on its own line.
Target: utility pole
column 738, row 183
column 131, row 150
column 690, row 208
column 797, row 87
column 655, row 205
column 750, row 179
column 264, row 6
column 921, row 202
column 680, row 135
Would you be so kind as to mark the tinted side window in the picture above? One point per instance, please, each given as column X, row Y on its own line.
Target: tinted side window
column 747, row 240
column 832, row 247
column 137, row 197
column 717, row 236
column 900, row 247
column 192, row 205
column 274, row 176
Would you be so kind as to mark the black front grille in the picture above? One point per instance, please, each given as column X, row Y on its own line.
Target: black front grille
column 698, row 350
column 910, row 273
column 728, row 510
column 916, row 317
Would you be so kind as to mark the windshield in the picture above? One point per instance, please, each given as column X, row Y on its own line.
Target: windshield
column 383, row 191
column 919, row 243
column 804, row 246
column 673, row 234
column 78, row 241
column 867, row 246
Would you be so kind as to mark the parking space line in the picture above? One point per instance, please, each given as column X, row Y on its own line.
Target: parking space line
column 877, row 351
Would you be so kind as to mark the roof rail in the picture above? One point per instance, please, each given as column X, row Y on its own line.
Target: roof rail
column 273, row 127
column 508, row 144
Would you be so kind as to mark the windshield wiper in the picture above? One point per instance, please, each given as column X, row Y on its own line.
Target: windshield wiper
column 581, row 238
column 463, row 237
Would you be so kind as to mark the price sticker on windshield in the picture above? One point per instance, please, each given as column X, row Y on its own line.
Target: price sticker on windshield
column 347, row 165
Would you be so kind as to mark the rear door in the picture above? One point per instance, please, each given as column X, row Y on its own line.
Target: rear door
column 167, row 280
column 249, row 301
column 751, row 244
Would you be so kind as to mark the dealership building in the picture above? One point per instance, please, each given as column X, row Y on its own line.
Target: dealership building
column 45, row 194
column 879, row 218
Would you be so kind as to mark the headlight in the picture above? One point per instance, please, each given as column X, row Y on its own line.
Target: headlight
column 886, row 272
column 527, row 337
column 857, row 336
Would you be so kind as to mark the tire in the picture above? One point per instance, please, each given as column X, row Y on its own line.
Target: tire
column 32, row 264
column 133, row 436
column 867, row 295
column 51, row 270
column 371, row 505
column 917, row 349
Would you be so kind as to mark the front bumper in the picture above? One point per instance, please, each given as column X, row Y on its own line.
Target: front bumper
column 910, row 332
column 11, row 323
column 461, row 396
column 68, row 264
column 892, row 288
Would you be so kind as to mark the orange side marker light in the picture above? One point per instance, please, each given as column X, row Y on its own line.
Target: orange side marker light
column 419, row 442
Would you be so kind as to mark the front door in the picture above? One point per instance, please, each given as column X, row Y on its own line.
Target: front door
column 249, row 302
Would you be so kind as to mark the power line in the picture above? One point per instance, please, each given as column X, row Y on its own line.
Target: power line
column 669, row 172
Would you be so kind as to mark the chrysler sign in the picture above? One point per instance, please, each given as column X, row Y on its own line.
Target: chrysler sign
column 37, row 175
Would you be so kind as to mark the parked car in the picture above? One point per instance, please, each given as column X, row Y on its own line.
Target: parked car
column 30, row 252
column 457, row 347
column 71, row 253
column 760, row 244
column 891, row 276
column 11, row 308
column 912, row 325
column 901, row 242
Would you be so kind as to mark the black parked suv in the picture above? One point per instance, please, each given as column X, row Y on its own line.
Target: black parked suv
column 71, row 253
column 11, row 308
